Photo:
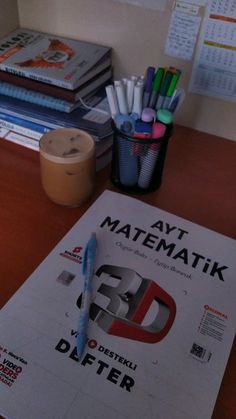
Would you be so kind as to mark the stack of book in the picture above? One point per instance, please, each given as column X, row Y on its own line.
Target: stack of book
column 48, row 82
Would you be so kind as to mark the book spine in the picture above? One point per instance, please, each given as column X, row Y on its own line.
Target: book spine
column 33, row 76
column 27, row 127
column 21, row 139
column 20, row 130
column 38, row 120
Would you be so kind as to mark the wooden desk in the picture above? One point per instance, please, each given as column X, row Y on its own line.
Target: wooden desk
column 198, row 184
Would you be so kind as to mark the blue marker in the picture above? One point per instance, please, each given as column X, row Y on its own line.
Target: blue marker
column 125, row 120
column 127, row 163
column 88, row 272
column 142, row 129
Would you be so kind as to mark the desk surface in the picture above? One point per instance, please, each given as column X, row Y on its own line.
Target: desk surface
column 198, row 184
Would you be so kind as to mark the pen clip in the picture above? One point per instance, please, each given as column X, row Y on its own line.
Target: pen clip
column 85, row 259
column 176, row 100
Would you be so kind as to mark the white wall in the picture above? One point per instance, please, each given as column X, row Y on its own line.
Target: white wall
column 137, row 36
column 8, row 16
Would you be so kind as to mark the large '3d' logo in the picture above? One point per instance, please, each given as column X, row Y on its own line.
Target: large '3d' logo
column 129, row 302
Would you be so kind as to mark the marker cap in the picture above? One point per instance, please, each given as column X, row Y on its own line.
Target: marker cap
column 165, row 116
column 158, row 130
column 148, row 115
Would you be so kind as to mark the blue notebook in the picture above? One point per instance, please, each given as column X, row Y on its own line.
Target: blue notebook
column 32, row 96
column 95, row 122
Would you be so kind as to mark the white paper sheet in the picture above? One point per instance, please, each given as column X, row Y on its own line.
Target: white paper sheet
column 182, row 35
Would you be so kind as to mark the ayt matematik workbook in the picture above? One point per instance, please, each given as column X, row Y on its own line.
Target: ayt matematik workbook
column 162, row 321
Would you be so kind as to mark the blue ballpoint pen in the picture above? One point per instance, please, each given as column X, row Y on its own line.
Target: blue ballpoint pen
column 88, row 272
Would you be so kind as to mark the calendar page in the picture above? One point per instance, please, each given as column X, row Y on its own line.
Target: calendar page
column 214, row 69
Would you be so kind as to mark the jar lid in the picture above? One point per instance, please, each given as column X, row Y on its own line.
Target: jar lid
column 165, row 116
column 67, row 145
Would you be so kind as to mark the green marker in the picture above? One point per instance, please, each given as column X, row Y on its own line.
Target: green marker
column 164, row 88
column 171, row 89
column 156, row 85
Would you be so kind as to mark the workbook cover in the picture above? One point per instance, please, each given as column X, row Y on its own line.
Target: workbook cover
column 49, row 58
column 161, row 326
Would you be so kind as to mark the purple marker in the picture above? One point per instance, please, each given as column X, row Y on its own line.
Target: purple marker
column 148, row 115
column 148, row 85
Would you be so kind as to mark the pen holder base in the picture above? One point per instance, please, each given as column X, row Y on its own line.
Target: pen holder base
column 137, row 163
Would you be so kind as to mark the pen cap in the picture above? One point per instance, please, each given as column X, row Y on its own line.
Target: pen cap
column 165, row 116
column 124, row 122
column 158, row 130
column 148, row 115
column 127, row 127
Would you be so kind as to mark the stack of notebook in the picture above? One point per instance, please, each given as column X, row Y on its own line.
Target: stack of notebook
column 48, row 82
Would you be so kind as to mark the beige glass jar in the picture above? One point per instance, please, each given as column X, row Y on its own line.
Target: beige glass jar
column 67, row 162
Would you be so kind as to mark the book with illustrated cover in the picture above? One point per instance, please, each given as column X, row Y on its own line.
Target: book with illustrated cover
column 161, row 323
column 50, row 58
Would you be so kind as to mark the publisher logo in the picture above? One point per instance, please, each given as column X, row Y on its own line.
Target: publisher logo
column 73, row 254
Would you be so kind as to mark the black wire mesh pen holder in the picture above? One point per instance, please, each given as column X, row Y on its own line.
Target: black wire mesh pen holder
column 137, row 163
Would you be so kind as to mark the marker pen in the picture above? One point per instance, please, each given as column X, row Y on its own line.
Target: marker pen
column 166, row 117
column 171, row 89
column 134, row 78
column 149, row 161
column 148, row 115
column 176, row 100
column 142, row 130
column 124, row 81
column 126, row 121
column 125, row 162
column 121, row 97
column 156, row 87
column 130, row 94
column 143, row 126
column 164, row 88
column 148, row 85
column 112, row 100
column 138, row 94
